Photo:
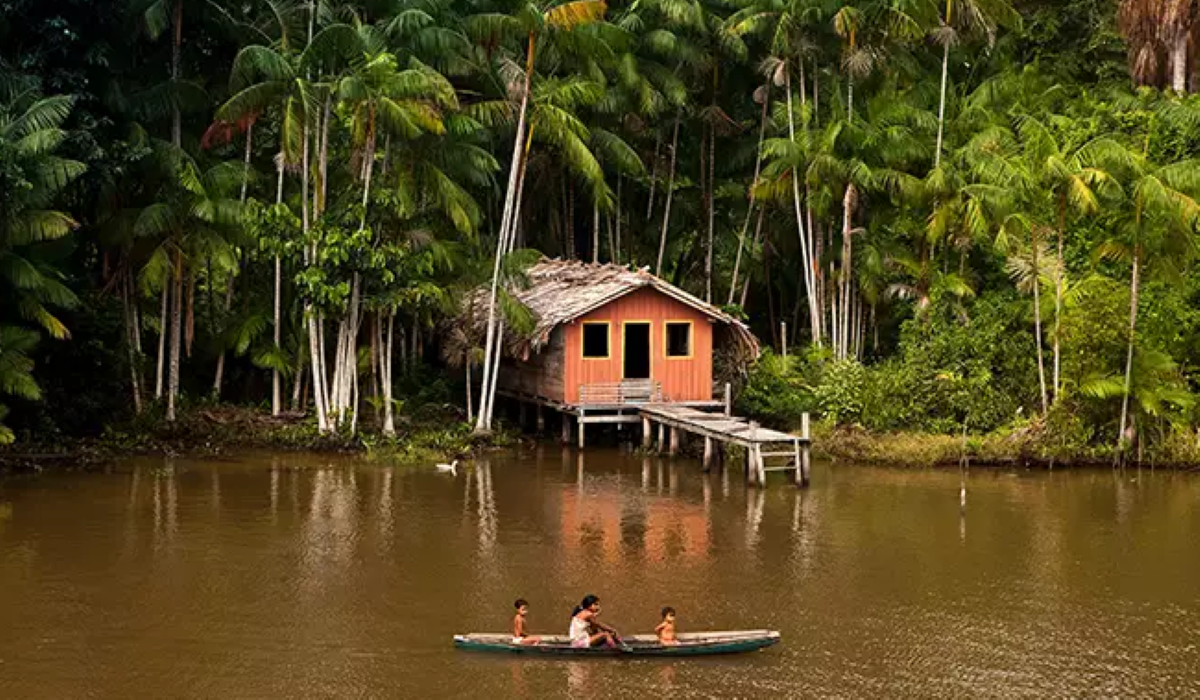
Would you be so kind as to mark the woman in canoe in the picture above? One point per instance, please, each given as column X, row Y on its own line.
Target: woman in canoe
column 586, row 630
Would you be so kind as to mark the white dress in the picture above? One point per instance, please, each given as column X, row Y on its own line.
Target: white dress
column 580, row 632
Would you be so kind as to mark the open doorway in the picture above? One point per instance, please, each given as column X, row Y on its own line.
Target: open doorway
column 637, row 350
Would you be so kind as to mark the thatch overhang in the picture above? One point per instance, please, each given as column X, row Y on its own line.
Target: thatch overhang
column 562, row 291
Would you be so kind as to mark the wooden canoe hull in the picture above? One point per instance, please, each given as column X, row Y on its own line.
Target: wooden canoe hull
column 690, row 644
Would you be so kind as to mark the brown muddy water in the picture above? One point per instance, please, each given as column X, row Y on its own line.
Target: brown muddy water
column 280, row 576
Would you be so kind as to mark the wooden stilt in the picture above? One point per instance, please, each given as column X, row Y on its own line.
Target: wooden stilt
column 708, row 453
column 728, row 399
column 805, row 451
column 522, row 415
column 566, row 428
column 674, row 441
column 662, row 437
column 645, row 433
column 541, row 419
column 752, row 455
column 582, row 443
column 799, row 475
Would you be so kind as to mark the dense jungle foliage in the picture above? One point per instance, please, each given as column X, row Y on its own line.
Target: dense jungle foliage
column 970, row 214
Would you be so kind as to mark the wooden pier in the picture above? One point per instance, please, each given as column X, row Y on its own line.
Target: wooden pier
column 636, row 403
column 717, row 429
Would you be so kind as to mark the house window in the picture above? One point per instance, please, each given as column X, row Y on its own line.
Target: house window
column 679, row 339
column 595, row 341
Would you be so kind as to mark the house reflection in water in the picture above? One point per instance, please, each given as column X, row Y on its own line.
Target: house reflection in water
column 605, row 522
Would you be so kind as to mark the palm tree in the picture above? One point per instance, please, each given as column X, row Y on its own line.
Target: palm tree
column 1073, row 177
column 564, row 17
column 966, row 15
column 34, row 177
column 1155, row 233
column 1154, row 28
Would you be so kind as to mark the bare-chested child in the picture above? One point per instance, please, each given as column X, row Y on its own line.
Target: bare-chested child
column 666, row 628
column 520, row 634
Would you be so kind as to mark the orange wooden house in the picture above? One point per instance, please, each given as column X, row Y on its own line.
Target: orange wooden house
column 606, row 336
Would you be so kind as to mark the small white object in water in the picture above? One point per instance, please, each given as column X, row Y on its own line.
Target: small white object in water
column 451, row 468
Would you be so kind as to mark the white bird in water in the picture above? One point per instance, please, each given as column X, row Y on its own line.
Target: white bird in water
column 451, row 468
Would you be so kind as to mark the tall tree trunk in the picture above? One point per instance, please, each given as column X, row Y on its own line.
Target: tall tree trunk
column 937, row 153
column 176, row 337
column 177, row 142
column 816, row 120
column 308, row 209
column 490, row 346
column 176, row 51
column 762, row 134
column 758, row 240
column 848, row 203
column 1037, row 323
column 653, row 176
column 662, row 240
column 246, row 162
column 805, row 253
column 616, row 251
column 470, row 400
column 220, row 374
column 814, row 235
column 1059, row 274
column 163, row 332
column 129, row 306
column 1179, row 63
column 712, row 210
column 595, row 233
column 389, row 420
column 298, row 380
column 189, row 326
column 276, row 379
column 1133, row 309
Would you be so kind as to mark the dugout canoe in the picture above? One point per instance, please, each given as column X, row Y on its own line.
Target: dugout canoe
column 690, row 644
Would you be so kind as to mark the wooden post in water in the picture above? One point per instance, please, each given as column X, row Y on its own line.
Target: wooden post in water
column 662, row 437
column 522, row 415
column 566, row 428
column 799, row 475
column 728, row 400
column 541, row 419
column 752, row 455
column 674, row 441
column 805, row 464
column 708, row 453
column 581, row 430
column 645, row 433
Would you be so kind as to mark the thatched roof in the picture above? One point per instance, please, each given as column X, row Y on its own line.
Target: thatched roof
column 561, row 291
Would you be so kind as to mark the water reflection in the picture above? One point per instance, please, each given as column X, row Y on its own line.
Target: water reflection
column 299, row 575
column 488, row 520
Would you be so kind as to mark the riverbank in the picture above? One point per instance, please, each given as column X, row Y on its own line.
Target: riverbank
column 428, row 434
column 436, row 433
column 1031, row 446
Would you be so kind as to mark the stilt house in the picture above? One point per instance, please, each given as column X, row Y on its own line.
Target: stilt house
column 605, row 335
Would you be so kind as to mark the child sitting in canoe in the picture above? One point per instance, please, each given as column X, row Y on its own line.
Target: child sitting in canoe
column 586, row 631
column 520, row 635
column 666, row 628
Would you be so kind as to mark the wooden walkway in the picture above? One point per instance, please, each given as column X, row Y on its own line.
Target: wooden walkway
column 761, row 444
column 634, row 402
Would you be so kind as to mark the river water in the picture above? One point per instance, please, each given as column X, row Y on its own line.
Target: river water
column 313, row 576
